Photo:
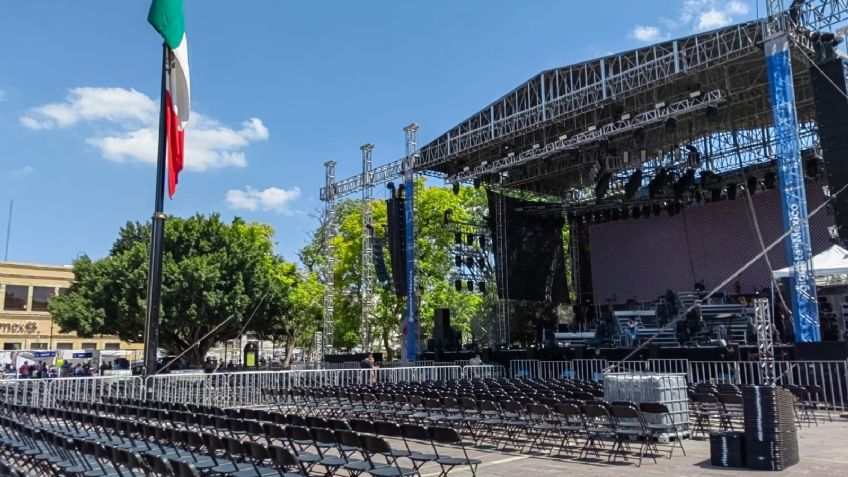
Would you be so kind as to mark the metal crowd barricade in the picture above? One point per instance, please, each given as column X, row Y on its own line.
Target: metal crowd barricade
column 209, row 389
column 627, row 366
column 483, row 371
column 416, row 374
column 556, row 370
column 826, row 381
column 245, row 389
column 674, row 366
column 714, row 372
column 93, row 389
column 24, row 391
column 590, row 369
column 524, row 368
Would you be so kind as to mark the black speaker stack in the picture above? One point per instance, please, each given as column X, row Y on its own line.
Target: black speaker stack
column 396, row 237
column 727, row 449
column 445, row 338
column 829, row 88
column 771, row 439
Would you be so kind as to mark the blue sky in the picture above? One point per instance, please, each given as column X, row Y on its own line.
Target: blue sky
column 278, row 88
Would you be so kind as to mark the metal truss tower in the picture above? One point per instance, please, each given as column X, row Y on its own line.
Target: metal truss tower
column 765, row 339
column 502, row 275
column 411, row 137
column 326, row 338
column 793, row 198
column 367, row 266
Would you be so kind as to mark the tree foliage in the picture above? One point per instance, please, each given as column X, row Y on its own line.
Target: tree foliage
column 211, row 271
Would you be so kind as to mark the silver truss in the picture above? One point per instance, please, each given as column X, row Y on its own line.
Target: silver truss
column 659, row 114
column 366, row 279
column 765, row 340
column 329, row 272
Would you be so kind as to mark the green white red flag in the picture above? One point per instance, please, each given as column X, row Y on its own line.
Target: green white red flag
column 166, row 16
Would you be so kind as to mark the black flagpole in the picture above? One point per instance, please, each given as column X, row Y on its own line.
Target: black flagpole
column 154, row 278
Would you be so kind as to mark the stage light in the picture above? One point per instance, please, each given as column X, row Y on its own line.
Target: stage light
column 484, row 163
column 536, row 146
column 731, row 191
column 477, row 183
column 656, row 209
column 592, row 128
column 511, row 154
column 634, row 182
column 603, row 186
column 752, row 184
column 660, row 105
column 712, row 113
column 694, row 94
column 466, row 169
column 483, row 242
column 481, row 287
column 687, row 180
column 670, row 124
column 637, row 211
column 469, row 262
column 455, row 188
column 646, row 211
column 625, row 157
column 716, row 195
column 469, row 239
column 458, row 285
column 563, row 137
column 458, row 260
column 625, row 116
column 457, row 238
column 481, row 263
column 770, row 180
column 639, row 135
column 470, row 285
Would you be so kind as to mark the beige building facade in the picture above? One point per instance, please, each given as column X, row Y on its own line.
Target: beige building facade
column 25, row 323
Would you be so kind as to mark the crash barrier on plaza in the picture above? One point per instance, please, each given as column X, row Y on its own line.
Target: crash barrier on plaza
column 826, row 380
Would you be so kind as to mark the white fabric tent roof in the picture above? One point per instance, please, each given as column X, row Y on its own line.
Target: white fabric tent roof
column 833, row 261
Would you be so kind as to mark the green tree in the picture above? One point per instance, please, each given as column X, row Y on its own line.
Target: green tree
column 434, row 265
column 211, row 271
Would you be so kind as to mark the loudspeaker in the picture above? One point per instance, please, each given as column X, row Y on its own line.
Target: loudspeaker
column 441, row 325
column 396, row 235
column 379, row 260
column 832, row 121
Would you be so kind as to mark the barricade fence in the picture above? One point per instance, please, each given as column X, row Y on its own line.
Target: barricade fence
column 826, row 381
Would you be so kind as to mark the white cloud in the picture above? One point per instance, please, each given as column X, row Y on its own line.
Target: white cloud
column 22, row 172
column 645, row 33
column 2, row 96
column 126, row 128
column 693, row 16
column 272, row 198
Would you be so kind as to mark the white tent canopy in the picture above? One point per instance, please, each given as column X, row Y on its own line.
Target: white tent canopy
column 833, row 261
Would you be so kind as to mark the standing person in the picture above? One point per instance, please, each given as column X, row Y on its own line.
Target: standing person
column 631, row 331
column 24, row 371
column 475, row 361
column 370, row 363
column 208, row 367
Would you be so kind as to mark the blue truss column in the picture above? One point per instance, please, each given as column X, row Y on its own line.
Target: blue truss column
column 409, row 233
column 792, row 195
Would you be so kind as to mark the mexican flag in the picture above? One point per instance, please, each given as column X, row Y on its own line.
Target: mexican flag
column 166, row 16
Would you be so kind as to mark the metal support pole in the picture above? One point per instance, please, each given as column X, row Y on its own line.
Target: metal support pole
column 792, row 193
column 154, row 272
column 366, row 292
column 411, row 133
column 325, row 337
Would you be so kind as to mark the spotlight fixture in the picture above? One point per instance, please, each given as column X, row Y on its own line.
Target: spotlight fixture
column 458, row 285
column 563, row 137
column 470, row 285
column 694, row 94
column 469, row 239
column 659, row 105
column 633, row 184
column 466, row 169
column 752, row 183
column 477, row 183
column 536, row 146
column 731, row 191
column 770, row 180
column 625, row 116
column 455, row 188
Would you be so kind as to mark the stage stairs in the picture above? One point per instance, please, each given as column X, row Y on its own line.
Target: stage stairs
column 648, row 327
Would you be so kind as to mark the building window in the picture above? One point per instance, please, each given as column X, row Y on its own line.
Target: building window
column 11, row 346
column 63, row 291
column 89, row 346
column 113, row 346
column 40, row 297
column 64, row 346
column 16, row 298
column 38, row 346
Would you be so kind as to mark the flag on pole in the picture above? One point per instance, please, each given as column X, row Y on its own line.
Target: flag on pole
column 166, row 16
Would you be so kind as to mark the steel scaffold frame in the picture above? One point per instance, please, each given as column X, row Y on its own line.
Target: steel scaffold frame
column 366, row 281
column 326, row 335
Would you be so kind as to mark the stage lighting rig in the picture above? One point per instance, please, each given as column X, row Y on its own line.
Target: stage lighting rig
column 634, row 182
column 686, row 181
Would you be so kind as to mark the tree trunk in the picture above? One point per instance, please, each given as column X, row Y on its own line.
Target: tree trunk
column 290, row 339
column 386, row 345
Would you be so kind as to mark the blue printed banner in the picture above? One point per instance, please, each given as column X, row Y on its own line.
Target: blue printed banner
column 793, row 197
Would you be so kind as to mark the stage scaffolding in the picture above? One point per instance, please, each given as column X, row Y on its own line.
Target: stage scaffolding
column 660, row 106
